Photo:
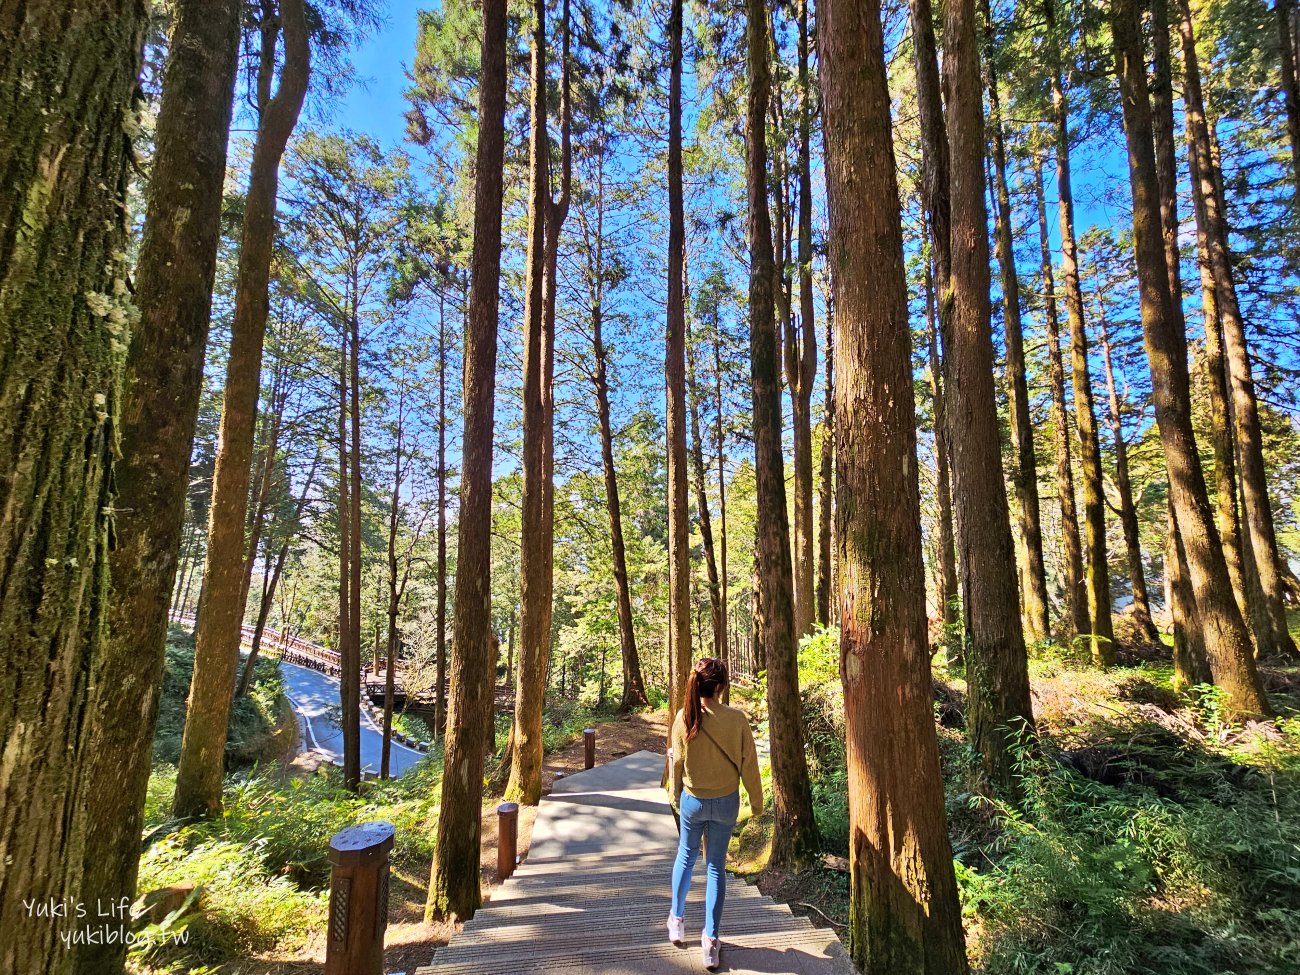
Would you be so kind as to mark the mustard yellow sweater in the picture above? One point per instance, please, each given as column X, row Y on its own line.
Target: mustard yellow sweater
column 707, row 766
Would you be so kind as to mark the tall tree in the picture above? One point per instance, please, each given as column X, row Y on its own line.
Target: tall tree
column 826, row 484
column 1076, row 598
column 999, row 707
column 1101, row 631
column 702, row 506
column 69, row 87
column 719, row 434
column 164, row 377
column 454, row 890
column 1024, row 472
column 1227, row 642
column 800, row 348
column 795, row 834
column 948, row 596
column 217, row 636
column 904, row 917
column 537, row 563
column 679, row 526
column 1286, row 32
column 1272, row 634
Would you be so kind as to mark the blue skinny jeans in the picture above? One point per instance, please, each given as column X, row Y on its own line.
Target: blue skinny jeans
column 711, row 820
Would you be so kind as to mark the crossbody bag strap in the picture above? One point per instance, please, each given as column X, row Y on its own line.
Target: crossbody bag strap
column 720, row 748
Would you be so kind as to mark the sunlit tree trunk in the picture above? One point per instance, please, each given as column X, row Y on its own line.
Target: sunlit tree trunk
column 904, row 917
column 826, row 490
column 1272, row 634
column 702, row 506
column 1285, row 12
column 720, row 437
column 440, row 661
column 454, row 891
column 948, row 596
column 216, row 649
column 795, row 832
column 1227, row 642
column 1076, row 598
column 69, row 81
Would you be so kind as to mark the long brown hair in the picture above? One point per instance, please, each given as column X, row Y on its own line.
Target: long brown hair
column 706, row 680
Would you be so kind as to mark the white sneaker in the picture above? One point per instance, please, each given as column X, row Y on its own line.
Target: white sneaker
column 676, row 929
column 710, row 949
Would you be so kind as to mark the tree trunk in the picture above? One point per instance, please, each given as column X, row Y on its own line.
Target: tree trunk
column 216, row 641
column 1024, row 473
column 795, row 831
column 394, row 593
column 702, row 505
column 351, row 666
column 904, row 917
column 950, row 611
column 679, row 526
column 440, row 663
column 164, row 377
column 1227, row 643
column 1074, row 582
column 454, row 891
column 801, row 359
column 1101, row 631
column 720, row 436
column 69, row 78
column 1274, row 637
column 826, row 492
column 1127, row 509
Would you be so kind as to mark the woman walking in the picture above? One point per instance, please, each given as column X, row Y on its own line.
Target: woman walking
column 712, row 753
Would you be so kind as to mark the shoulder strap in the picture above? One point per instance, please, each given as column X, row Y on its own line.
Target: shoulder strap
column 726, row 753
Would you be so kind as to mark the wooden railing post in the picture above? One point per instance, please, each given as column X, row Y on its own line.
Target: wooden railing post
column 507, row 838
column 358, row 899
column 589, row 740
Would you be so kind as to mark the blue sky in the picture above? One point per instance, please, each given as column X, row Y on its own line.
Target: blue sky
column 375, row 104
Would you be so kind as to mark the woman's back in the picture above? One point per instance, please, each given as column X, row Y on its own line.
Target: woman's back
column 719, row 757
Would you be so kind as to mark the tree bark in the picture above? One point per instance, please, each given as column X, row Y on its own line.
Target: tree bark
column 826, row 492
column 679, row 526
column 350, row 664
column 950, row 611
column 801, row 359
column 161, row 388
column 216, row 640
column 440, row 661
column 702, row 505
column 795, row 830
column 720, row 436
column 454, row 891
column 1285, row 11
column 904, row 917
column 69, row 81
column 999, row 710
column 1273, row 636
column 1227, row 643
column 1101, row 631
column 1074, row 582
column 1024, row 473
column 1127, row 509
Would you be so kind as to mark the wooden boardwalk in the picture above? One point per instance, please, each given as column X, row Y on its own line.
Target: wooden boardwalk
column 593, row 896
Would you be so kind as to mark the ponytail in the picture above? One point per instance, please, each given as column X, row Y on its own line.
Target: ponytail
column 707, row 678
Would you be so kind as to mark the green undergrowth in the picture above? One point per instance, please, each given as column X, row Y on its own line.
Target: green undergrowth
column 1154, row 837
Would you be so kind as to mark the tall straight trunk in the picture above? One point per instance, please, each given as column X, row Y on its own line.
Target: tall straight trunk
column 163, row 380
column 454, row 890
column 537, row 564
column 344, row 509
column 1101, row 631
column 351, row 667
column 795, row 830
column 679, row 526
column 394, row 588
column 1076, row 598
column 1286, row 26
column 1227, row 642
column 801, row 358
column 702, row 505
column 904, row 917
column 216, row 640
column 440, row 662
column 264, row 467
column 948, row 596
column 1190, row 664
column 999, row 710
column 634, row 694
column 1024, row 472
column 719, row 434
column 69, row 79
column 1274, row 636
column 1127, row 509
column 826, row 492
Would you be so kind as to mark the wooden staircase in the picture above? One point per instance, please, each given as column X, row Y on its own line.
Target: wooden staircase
column 593, row 896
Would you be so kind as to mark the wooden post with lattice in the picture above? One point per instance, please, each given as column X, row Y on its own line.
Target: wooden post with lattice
column 358, row 899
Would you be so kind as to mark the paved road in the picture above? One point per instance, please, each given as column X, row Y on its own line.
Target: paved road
column 316, row 699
